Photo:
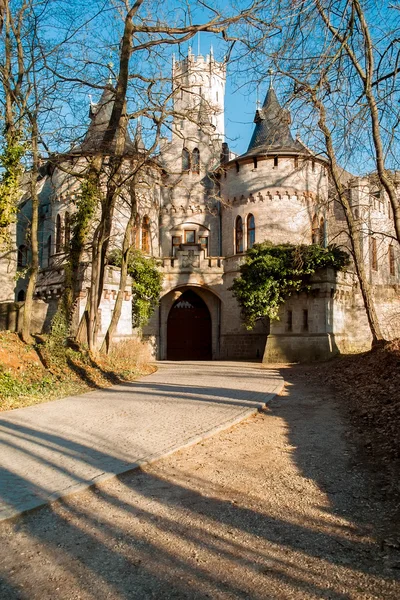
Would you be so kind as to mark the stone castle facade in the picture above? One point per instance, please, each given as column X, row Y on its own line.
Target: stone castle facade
column 201, row 207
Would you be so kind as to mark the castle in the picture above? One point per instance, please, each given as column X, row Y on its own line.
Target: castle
column 201, row 209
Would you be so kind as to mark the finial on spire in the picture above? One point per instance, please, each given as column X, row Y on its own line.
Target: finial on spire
column 198, row 43
column 211, row 51
column 258, row 103
column 110, row 66
column 271, row 74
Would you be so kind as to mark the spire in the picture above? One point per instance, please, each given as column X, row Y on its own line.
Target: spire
column 272, row 132
column 138, row 139
column 100, row 114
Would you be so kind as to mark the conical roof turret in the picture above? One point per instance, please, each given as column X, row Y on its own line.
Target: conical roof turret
column 100, row 115
column 272, row 132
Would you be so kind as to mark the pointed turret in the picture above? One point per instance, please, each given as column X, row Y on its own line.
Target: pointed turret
column 272, row 132
column 100, row 115
column 138, row 139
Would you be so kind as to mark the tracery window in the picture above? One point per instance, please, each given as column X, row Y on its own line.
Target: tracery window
column 185, row 160
column 196, row 161
column 58, row 234
column 146, row 234
column 238, row 235
column 251, row 231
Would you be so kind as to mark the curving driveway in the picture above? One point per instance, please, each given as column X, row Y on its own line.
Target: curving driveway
column 51, row 450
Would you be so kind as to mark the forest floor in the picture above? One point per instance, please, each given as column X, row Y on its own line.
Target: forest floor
column 298, row 502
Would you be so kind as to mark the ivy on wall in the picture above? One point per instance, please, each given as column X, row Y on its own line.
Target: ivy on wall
column 146, row 284
column 271, row 273
column 10, row 184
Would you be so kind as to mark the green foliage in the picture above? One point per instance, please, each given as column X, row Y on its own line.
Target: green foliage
column 10, row 185
column 146, row 284
column 272, row 273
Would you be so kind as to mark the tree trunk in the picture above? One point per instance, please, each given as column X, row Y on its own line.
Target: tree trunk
column 34, row 265
column 365, row 287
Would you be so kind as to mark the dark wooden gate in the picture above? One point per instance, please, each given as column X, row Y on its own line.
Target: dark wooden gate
column 189, row 329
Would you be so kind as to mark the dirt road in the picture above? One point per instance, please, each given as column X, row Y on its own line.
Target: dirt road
column 276, row 507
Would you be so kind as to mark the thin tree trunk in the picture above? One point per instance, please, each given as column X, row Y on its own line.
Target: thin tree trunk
column 34, row 264
column 126, row 248
column 365, row 287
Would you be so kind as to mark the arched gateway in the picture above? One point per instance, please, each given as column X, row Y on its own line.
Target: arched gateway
column 189, row 329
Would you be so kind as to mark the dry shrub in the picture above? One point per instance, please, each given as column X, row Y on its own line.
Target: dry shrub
column 130, row 352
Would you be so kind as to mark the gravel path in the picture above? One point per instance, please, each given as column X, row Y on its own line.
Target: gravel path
column 51, row 450
column 274, row 508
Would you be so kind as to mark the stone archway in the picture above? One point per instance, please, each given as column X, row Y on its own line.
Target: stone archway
column 189, row 329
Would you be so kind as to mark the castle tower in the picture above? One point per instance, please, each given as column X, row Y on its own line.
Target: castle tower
column 199, row 86
column 190, row 194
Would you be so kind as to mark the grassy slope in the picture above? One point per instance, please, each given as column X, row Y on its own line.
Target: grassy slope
column 33, row 374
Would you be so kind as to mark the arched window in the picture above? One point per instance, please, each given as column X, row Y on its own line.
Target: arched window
column 48, row 250
column 238, row 235
column 67, row 230
column 22, row 259
column 315, row 230
column 185, row 160
column 21, row 296
column 322, row 231
column 146, row 234
column 196, row 161
column 251, row 231
column 58, row 234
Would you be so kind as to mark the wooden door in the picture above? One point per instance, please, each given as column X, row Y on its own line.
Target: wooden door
column 189, row 329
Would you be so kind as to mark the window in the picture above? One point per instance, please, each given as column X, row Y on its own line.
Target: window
column 196, row 161
column 251, row 231
column 67, row 230
column 313, row 165
column 255, row 162
column 305, row 320
column 190, row 236
column 176, row 242
column 289, row 320
column 48, row 249
column 374, row 255
column 146, row 234
column 322, row 231
column 276, row 161
column 315, row 230
column 391, row 260
column 185, row 160
column 203, row 241
column 21, row 296
column 237, row 167
column 296, row 162
column 22, row 259
column 58, row 234
column 238, row 235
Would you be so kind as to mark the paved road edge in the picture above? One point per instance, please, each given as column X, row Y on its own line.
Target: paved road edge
column 13, row 514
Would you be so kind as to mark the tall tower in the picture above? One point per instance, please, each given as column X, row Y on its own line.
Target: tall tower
column 199, row 91
column 190, row 192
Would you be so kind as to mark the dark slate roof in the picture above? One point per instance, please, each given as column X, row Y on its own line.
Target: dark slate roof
column 272, row 132
column 100, row 115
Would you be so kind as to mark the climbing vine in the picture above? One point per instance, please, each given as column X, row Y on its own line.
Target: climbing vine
column 271, row 273
column 81, row 221
column 10, row 184
column 146, row 284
